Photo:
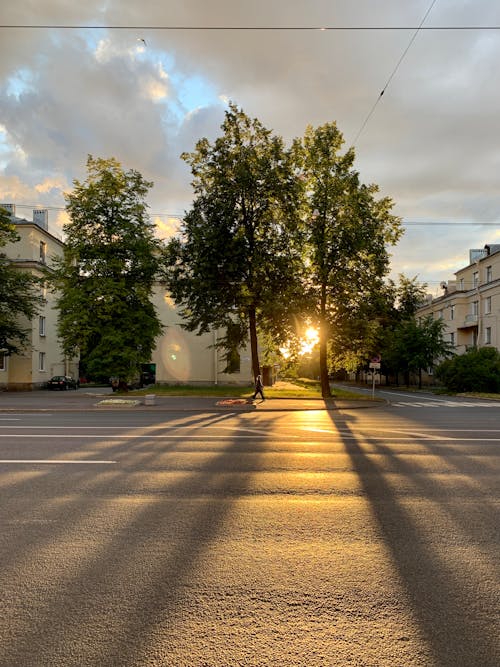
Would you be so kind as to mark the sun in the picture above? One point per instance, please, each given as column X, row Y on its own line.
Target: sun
column 310, row 340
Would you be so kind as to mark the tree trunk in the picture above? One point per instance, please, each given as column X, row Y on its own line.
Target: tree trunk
column 252, row 322
column 323, row 356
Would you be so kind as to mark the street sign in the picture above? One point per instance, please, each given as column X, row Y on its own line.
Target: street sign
column 375, row 365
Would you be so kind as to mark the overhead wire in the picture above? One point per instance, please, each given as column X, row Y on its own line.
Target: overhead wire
column 55, row 26
column 372, row 110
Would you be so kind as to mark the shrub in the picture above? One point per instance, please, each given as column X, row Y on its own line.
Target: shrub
column 476, row 370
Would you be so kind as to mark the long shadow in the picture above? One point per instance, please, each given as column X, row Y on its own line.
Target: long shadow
column 459, row 626
column 139, row 602
column 51, row 519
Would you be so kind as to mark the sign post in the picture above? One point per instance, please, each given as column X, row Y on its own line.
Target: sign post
column 375, row 364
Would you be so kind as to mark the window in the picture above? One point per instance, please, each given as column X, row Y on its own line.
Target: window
column 41, row 325
column 3, row 361
column 440, row 314
column 487, row 305
column 452, row 312
column 475, row 279
column 475, row 307
column 489, row 274
column 43, row 252
column 487, row 336
column 452, row 338
column 461, row 284
column 41, row 361
column 233, row 362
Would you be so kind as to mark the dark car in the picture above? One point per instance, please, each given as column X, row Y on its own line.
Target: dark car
column 62, row 382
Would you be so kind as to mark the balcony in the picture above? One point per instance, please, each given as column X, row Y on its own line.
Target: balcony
column 471, row 320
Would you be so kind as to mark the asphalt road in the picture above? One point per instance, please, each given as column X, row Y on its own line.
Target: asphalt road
column 268, row 538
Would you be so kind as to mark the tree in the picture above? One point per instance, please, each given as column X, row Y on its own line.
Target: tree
column 415, row 346
column 106, row 276
column 476, row 370
column 20, row 295
column 402, row 301
column 348, row 230
column 236, row 265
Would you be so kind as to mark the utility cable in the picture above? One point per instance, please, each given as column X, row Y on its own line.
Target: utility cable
column 393, row 73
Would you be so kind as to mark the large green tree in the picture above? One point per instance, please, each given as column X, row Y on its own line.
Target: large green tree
column 105, row 278
column 348, row 233
column 416, row 345
column 20, row 295
column 237, row 262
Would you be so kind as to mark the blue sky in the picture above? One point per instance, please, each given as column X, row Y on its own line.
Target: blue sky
column 429, row 141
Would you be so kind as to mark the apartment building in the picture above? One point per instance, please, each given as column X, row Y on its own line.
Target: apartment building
column 180, row 357
column 43, row 356
column 470, row 304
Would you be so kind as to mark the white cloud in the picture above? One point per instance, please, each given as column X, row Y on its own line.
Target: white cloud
column 430, row 143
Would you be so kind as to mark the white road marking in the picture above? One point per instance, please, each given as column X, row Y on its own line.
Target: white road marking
column 61, row 461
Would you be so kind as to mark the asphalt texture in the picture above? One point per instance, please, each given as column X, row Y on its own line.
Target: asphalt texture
column 214, row 536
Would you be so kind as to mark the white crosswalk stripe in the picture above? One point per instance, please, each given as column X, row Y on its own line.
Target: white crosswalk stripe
column 446, row 404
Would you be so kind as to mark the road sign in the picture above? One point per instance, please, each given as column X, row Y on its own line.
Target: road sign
column 375, row 365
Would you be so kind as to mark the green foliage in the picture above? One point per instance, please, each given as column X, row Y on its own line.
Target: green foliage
column 106, row 276
column 347, row 233
column 416, row 345
column 476, row 370
column 235, row 265
column 20, row 295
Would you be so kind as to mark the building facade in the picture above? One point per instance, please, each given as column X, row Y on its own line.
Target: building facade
column 42, row 357
column 470, row 304
column 180, row 357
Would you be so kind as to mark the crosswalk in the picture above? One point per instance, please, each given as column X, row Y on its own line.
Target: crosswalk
column 445, row 404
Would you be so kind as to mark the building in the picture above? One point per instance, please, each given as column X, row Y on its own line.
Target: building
column 180, row 357
column 470, row 304
column 43, row 356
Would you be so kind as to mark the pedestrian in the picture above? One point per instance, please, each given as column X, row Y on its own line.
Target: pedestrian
column 259, row 388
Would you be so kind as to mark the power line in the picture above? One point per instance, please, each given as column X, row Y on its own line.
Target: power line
column 429, row 223
column 433, row 223
column 393, row 73
column 249, row 28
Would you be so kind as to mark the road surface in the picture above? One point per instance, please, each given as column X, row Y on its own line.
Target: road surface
column 283, row 538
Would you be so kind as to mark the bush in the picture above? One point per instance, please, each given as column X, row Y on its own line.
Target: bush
column 476, row 370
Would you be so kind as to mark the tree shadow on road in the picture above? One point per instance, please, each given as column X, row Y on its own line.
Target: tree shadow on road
column 453, row 607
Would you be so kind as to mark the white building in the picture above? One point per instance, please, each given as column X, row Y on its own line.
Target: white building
column 180, row 357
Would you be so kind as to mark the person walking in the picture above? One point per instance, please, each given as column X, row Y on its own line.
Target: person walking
column 259, row 387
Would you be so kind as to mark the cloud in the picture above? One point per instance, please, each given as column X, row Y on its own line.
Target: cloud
column 430, row 142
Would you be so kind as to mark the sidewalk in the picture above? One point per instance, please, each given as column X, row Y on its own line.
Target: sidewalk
column 92, row 399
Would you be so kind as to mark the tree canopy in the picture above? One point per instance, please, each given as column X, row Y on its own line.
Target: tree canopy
column 348, row 230
column 20, row 295
column 476, row 370
column 235, row 264
column 276, row 233
column 106, row 275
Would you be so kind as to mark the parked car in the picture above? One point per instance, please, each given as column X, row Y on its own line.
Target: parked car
column 62, row 382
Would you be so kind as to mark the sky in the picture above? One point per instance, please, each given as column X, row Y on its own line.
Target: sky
column 122, row 82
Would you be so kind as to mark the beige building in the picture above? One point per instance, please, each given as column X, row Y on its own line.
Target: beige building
column 470, row 304
column 43, row 356
column 180, row 356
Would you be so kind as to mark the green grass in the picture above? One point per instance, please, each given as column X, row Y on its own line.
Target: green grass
column 296, row 388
